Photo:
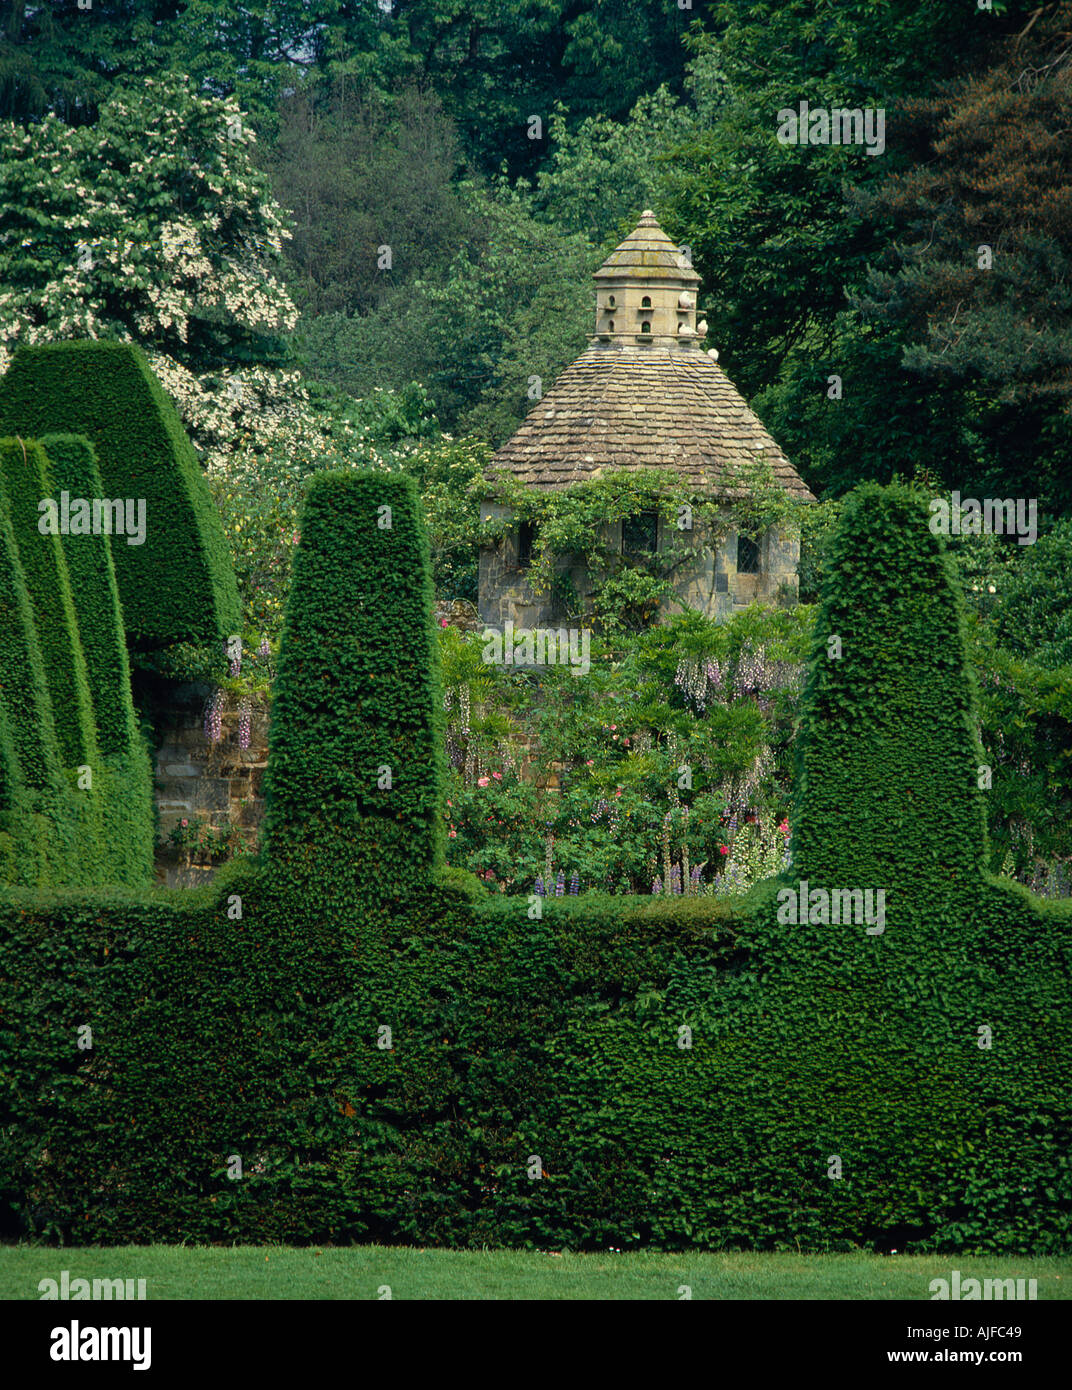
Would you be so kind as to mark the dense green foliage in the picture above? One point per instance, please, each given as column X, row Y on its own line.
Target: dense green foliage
column 535, row 1086
column 78, row 788
column 671, row 743
column 354, row 788
column 1034, row 614
column 911, row 812
column 393, row 1059
column 178, row 583
column 26, row 478
column 126, row 800
column 495, row 61
column 38, row 837
column 73, row 466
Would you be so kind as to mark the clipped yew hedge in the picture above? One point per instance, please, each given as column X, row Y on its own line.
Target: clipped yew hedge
column 354, row 786
column 126, row 774
column 902, row 689
column 179, row 585
column 394, row 1058
column 43, row 826
column 72, row 815
column 26, row 478
column 92, row 580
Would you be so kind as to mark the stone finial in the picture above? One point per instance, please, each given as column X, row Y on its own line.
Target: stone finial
column 645, row 292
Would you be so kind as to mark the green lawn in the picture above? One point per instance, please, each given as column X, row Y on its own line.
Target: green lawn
column 267, row 1272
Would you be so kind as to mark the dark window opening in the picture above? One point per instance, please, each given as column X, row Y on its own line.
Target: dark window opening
column 526, row 539
column 747, row 555
column 645, row 327
column 640, row 534
column 645, row 303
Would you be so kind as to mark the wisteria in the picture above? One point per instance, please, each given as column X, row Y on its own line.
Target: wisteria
column 691, row 678
column 213, row 721
column 244, row 722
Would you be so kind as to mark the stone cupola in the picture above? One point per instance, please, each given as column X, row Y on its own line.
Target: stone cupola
column 646, row 292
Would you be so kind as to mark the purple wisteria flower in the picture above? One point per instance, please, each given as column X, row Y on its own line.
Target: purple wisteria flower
column 244, row 720
column 213, row 722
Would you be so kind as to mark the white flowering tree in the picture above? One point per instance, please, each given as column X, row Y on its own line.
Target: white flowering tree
column 155, row 226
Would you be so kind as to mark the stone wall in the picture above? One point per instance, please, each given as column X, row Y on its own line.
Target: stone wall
column 710, row 583
column 212, row 784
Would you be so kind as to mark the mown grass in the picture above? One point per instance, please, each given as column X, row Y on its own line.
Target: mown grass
column 361, row 1272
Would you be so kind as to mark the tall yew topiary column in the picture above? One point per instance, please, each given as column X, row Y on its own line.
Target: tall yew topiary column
column 355, row 775
column 887, row 784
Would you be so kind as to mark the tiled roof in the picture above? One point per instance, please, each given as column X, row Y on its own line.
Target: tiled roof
column 626, row 407
column 647, row 254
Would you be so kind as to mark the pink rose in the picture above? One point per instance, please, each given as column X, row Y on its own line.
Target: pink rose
column 443, row 622
column 723, row 850
column 482, row 781
column 452, row 835
column 497, row 776
column 186, row 822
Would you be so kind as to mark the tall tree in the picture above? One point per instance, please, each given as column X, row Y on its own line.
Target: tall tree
column 153, row 226
column 977, row 277
column 369, row 184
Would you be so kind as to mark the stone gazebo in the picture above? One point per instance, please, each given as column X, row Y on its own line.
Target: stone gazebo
column 643, row 395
